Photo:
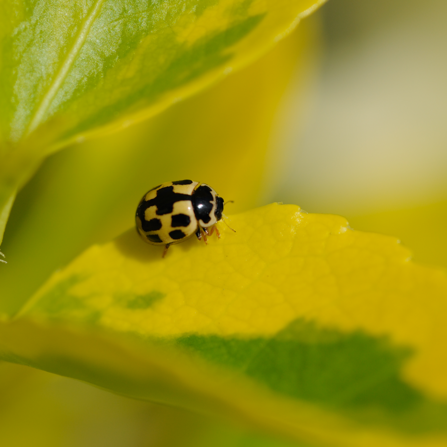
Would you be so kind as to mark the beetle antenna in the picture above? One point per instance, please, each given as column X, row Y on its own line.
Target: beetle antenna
column 226, row 223
column 228, row 201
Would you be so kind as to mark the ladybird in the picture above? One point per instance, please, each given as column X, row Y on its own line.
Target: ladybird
column 174, row 211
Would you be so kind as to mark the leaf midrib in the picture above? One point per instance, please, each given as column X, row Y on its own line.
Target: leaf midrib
column 64, row 68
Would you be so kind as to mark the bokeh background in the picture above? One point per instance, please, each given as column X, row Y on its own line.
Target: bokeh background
column 374, row 143
column 345, row 116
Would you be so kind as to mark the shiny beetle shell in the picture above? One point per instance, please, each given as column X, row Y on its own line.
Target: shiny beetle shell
column 172, row 212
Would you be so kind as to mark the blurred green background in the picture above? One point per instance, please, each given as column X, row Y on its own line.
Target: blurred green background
column 346, row 116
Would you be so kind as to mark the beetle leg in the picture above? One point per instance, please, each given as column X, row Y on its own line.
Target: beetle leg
column 204, row 234
column 165, row 250
column 214, row 229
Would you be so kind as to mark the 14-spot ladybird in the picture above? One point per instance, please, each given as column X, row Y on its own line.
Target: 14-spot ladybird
column 173, row 211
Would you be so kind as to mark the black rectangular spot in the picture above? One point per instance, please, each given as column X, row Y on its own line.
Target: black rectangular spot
column 151, row 225
column 182, row 182
column 180, row 220
column 177, row 234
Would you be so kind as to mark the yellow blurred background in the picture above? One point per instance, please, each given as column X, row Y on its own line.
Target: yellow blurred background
column 346, row 116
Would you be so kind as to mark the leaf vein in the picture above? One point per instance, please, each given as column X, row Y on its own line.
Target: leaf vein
column 61, row 75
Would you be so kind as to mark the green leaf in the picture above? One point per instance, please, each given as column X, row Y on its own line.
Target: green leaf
column 295, row 323
column 101, row 61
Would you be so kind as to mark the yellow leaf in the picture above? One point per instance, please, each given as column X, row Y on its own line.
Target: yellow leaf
column 73, row 413
column 345, row 333
column 410, row 222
